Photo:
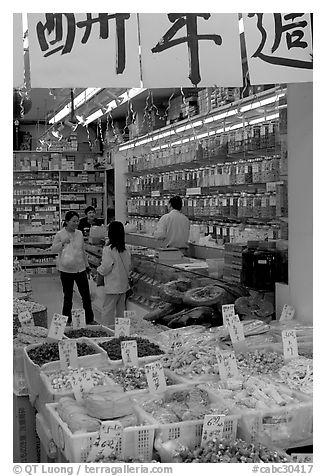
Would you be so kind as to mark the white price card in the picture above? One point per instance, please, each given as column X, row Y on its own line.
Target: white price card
column 68, row 354
column 26, row 318
column 129, row 314
column 193, row 191
column 121, row 327
column 107, row 440
column 81, row 381
column 235, row 328
column 155, row 377
column 227, row 311
column 175, row 340
column 78, row 318
column 57, row 326
column 287, row 313
column 213, row 427
column 227, row 364
column 290, row 344
column 129, row 353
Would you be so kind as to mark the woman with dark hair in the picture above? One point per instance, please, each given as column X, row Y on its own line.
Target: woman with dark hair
column 73, row 265
column 115, row 267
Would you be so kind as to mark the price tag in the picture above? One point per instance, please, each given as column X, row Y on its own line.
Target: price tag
column 302, row 457
column 78, row 318
column 155, row 193
column 26, row 319
column 122, row 327
column 227, row 364
column 129, row 353
column 213, row 427
column 130, row 314
column 68, row 354
column 290, row 344
column 227, row 311
column 81, row 381
column 107, row 440
column 287, row 313
column 235, row 328
column 57, row 326
column 175, row 340
column 193, row 191
column 155, row 377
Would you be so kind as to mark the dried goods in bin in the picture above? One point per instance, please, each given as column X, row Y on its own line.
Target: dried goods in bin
column 145, row 347
column 49, row 352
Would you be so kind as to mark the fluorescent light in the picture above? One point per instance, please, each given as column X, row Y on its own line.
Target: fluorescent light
column 83, row 97
column 241, row 27
column 93, row 116
column 260, row 103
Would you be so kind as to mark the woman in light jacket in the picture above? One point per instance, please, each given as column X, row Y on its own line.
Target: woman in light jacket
column 73, row 266
column 115, row 267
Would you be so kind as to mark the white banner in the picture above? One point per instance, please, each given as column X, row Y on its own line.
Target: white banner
column 190, row 49
column 18, row 49
column 83, row 50
column 279, row 47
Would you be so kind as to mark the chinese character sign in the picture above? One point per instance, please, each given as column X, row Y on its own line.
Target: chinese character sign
column 290, row 344
column 83, row 49
column 279, row 47
column 57, row 326
column 78, row 318
column 190, row 49
column 18, row 48
column 107, row 440
column 155, row 377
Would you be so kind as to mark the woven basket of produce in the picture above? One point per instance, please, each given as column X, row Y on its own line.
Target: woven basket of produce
column 207, row 296
column 38, row 311
column 254, row 308
column 173, row 291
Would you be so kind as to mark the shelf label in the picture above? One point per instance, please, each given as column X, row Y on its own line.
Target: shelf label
column 227, row 311
column 26, row 319
column 235, row 328
column 227, row 364
column 122, row 327
column 290, row 344
column 129, row 353
column 212, row 428
column 155, row 377
column 68, row 354
column 81, row 381
column 78, row 318
column 287, row 313
column 107, row 440
column 193, row 191
column 57, row 326
column 175, row 340
column 155, row 193
column 129, row 314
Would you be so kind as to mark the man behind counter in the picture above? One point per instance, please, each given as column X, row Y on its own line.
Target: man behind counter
column 174, row 227
column 89, row 220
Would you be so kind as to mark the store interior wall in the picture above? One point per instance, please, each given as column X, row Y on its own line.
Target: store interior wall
column 300, row 180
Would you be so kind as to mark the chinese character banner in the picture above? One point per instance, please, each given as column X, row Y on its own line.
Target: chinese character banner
column 18, row 47
column 279, row 47
column 83, row 50
column 190, row 49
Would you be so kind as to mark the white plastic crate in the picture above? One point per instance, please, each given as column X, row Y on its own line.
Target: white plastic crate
column 44, row 433
column 32, row 370
column 136, row 442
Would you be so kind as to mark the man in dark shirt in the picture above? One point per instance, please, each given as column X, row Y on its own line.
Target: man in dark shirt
column 89, row 220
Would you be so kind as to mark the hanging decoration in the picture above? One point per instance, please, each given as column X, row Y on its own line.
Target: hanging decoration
column 22, row 103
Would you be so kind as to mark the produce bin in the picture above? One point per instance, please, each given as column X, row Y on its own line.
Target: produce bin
column 32, row 370
column 136, row 442
column 39, row 318
column 44, row 433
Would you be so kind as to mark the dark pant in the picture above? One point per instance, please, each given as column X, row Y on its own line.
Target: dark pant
column 67, row 280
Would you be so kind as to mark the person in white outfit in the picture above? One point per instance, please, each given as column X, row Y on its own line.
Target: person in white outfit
column 115, row 267
column 173, row 227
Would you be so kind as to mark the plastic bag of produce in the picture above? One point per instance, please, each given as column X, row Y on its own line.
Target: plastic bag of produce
column 107, row 402
column 68, row 256
column 169, row 451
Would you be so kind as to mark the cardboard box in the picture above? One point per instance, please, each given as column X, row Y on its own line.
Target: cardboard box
column 25, row 441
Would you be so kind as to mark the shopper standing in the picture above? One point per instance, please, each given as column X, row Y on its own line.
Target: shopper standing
column 73, row 265
column 115, row 267
column 173, row 227
column 89, row 220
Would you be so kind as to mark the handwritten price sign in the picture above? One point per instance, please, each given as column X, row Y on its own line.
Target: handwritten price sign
column 122, row 327
column 227, row 311
column 155, row 377
column 290, row 344
column 227, row 364
column 175, row 340
column 213, row 427
column 235, row 328
column 57, row 327
column 287, row 313
column 107, row 440
column 68, row 354
column 129, row 314
column 26, row 319
column 78, row 318
column 129, row 353
column 81, row 381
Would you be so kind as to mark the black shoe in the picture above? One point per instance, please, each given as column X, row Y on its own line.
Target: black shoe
column 92, row 323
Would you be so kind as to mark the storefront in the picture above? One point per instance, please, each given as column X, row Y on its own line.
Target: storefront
column 216, row 339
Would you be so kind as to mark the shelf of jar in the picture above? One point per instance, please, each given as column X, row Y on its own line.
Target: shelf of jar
column 75, row 192
column 35, row 253
column 37, row 265
column 64, row 182
column 31, row 243
column 219, row 218
column 35, row 232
